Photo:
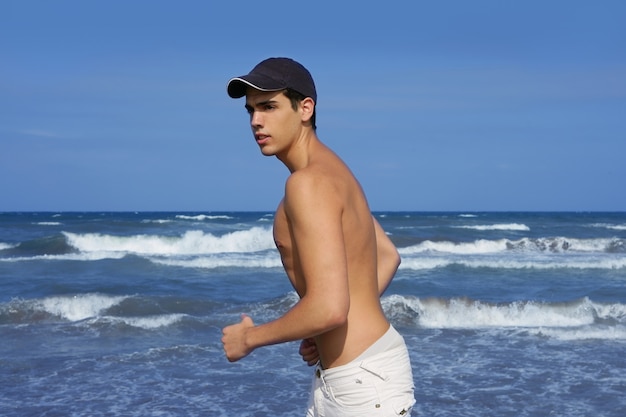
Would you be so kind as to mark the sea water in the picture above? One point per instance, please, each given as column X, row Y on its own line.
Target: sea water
column 120, row 314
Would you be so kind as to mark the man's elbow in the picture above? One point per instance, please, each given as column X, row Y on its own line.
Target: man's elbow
column 338, row 320
column 337, row 315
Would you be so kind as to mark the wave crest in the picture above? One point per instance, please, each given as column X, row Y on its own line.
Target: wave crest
column 577, row 319
column 91, row 309
column 536, row 245
column 190, row 243
column 500, row 227
column 203, row 217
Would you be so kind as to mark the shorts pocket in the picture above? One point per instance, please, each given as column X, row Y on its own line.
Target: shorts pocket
column 361, row 394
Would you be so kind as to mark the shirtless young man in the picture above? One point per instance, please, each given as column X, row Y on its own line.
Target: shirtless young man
column 334, row 252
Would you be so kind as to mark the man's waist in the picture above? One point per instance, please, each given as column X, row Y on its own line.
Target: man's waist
column 387, row 339
column 380, row 365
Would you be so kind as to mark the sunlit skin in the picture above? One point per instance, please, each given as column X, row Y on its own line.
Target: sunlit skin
column 276, row 126
column 335, row 254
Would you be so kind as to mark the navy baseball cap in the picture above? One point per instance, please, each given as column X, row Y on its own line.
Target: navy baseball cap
column 275, row 74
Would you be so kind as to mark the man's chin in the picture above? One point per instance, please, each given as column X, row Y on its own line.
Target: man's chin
column 267, row 151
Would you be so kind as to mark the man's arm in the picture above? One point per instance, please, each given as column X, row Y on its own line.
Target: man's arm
column 387, row 256
column 388, row 260
column 314, row 212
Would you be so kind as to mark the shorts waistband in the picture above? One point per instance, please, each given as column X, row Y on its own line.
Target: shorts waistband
column 391, row 339
column 377, row 364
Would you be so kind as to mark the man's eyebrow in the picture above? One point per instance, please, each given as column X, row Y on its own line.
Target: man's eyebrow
column 261, row 103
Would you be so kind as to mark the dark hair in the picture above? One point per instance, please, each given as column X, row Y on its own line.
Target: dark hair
column 295, row 98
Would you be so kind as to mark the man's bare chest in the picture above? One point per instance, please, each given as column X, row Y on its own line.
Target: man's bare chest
column 285, row 245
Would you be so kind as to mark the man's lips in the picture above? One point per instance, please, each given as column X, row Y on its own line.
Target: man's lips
column 261, row 138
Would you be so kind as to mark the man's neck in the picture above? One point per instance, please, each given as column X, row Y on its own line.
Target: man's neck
column 299, row 153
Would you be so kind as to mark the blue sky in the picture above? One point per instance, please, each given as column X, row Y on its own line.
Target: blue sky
column 436, row 105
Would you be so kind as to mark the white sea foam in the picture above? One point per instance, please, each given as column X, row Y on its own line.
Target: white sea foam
column 591, row 245
column 203, row 217
column 157, row 221
column 48, row 223
column 148, row 322
column 620, row 227
column 575, row 320
column 78, row 307
column 476, row 247
column 611, row 311
column 266, row 260
column 424, row 263
column 88, row 308
column 85, row 256
column 459, row 313
column 4, row 246
column 526, row 253
column 544, row 263
column 541, row 245
column 507, row 226
column 583, row 333
column 190, row 243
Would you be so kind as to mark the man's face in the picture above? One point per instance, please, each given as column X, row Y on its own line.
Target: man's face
column 275, row 124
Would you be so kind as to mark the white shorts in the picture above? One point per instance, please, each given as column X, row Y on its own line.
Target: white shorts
column 379, row 383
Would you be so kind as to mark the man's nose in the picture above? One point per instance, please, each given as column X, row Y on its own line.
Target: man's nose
column 256, row 120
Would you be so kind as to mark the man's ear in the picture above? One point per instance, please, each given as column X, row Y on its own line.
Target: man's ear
column 308, row 107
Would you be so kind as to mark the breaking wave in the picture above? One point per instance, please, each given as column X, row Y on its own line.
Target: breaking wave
column 203, row 217
column 581, row 319
column 484, row 246
column 508, row 226
column 85, row 308
column 190, row 243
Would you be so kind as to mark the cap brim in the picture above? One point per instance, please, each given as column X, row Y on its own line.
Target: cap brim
column 237, row 86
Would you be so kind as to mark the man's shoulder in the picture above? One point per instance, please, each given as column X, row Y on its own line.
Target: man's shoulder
column 320, row 174
column 314, row 187
column 309, row 179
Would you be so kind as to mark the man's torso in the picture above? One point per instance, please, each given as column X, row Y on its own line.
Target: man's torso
column 366, row 321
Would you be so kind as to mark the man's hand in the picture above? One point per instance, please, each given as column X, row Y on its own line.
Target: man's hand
column 234, row 339
column 308, row 351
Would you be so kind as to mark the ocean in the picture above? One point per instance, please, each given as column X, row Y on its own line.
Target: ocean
column 120, row 314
